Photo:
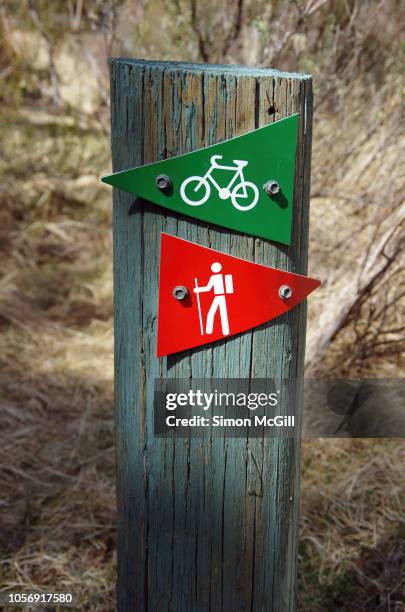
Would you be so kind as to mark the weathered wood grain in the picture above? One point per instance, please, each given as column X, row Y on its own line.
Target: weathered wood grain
column 203, row 524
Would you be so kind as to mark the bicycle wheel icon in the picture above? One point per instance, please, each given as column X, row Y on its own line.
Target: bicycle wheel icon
column 245, row 196
column 195, row 190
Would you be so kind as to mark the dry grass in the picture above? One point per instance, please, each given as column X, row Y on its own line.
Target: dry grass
column 56, row 458
column 352, row 537
column 57, row 507
column 357, row 224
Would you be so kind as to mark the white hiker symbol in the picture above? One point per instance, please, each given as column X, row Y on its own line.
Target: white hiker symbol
column 221, row 285
column 244, row 194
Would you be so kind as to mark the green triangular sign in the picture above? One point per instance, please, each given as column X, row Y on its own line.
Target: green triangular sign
column 245, row 183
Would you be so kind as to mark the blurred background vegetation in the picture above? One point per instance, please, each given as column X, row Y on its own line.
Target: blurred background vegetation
column 57, row 506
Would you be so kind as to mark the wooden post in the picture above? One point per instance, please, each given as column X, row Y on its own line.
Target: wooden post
column 202, row 525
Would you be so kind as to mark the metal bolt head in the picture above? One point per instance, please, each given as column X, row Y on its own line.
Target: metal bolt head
column 163, row 182
column 272, row 188
column 180, row 292
column 285, row 292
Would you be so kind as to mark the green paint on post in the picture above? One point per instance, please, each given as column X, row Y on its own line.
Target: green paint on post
column 224, row 184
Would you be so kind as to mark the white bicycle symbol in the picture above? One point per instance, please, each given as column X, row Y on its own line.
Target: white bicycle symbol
column 243, row 190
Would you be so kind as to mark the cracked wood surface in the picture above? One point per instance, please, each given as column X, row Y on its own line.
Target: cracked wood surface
column 203, row 524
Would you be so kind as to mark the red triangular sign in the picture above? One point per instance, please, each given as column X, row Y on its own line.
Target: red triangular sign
column 205, row 295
